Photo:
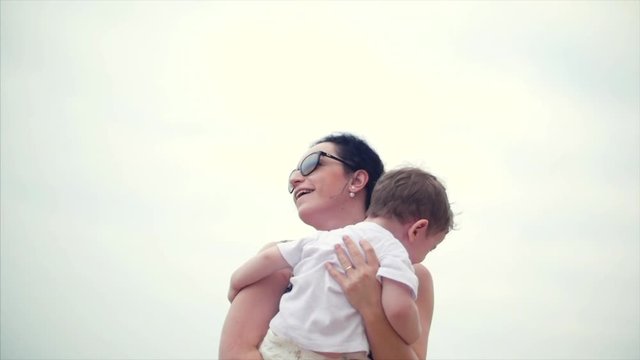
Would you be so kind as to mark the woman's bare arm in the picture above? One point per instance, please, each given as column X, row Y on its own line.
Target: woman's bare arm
column 265, row 263
column 249, row 315
column 364, row 293
column 425, row 303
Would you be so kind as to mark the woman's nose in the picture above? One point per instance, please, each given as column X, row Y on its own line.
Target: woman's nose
column 295, row 178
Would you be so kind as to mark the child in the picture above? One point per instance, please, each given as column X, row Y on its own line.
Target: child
column 409, row 216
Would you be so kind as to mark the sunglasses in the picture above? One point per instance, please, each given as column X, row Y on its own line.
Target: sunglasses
column 310, row 163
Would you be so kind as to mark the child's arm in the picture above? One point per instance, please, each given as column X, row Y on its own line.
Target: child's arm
column 401, row 310
column 258, row 267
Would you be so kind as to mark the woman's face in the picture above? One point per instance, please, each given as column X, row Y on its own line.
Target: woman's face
column 324, row 193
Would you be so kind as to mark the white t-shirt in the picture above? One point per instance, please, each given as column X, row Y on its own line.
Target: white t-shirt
column 315, row 313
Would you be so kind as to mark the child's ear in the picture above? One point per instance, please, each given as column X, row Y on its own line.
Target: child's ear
column 418, row 229
column 359, row 180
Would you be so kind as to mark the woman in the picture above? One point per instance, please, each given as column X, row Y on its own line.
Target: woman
column 331, row 189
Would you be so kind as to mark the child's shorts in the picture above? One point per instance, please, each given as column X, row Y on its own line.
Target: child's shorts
column 275, row 347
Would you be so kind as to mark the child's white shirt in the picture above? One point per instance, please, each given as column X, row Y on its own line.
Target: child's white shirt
column 315, row 313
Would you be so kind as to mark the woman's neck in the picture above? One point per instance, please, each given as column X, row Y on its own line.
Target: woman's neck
column 339, row 219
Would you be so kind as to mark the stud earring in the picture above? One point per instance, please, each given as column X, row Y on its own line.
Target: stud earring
column 352, row 195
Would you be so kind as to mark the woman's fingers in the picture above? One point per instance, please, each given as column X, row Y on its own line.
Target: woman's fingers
column 352, row 258
column 344, row 260
column 370, row 254
column 359, row 284
column 336, row 275
column 354, row 251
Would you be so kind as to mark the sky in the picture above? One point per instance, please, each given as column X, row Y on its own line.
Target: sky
column 145, row 148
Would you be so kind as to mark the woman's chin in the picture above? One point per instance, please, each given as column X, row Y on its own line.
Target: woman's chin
column 308, row 215
column 305, row 214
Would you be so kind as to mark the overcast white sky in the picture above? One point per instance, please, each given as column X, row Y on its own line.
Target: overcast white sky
column 145, row 148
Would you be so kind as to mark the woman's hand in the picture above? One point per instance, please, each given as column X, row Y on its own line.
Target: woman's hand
column 358, row 276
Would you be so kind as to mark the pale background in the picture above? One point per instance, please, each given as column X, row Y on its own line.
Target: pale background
column 146, row 146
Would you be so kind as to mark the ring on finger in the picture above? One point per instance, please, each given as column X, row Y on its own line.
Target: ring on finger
column 348, row 267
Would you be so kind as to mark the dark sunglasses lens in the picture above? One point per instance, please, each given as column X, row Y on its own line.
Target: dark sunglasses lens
column 309, row 164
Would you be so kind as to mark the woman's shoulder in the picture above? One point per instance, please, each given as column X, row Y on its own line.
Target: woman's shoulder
column 423, row 274
column 425, row 291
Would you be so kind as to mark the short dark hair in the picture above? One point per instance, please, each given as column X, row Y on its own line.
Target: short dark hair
column 355, row 151
column 408, row 194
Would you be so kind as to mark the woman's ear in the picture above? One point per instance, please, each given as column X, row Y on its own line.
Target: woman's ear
column 418, row 230
column 359, row 180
